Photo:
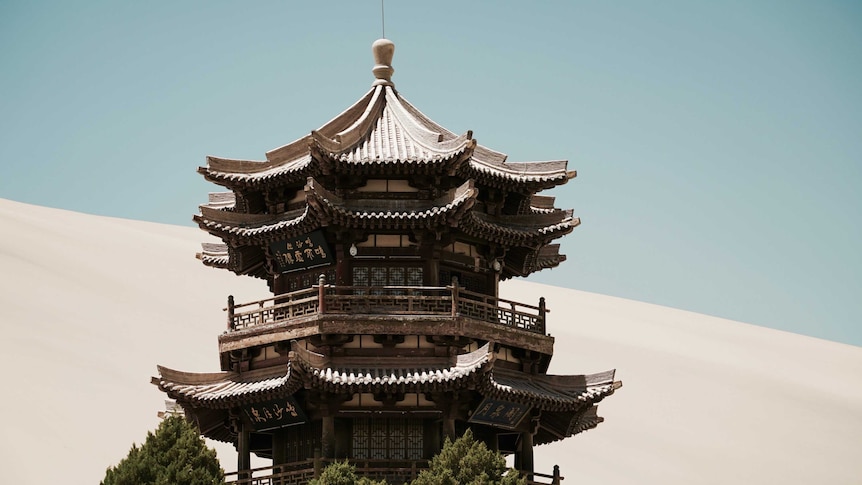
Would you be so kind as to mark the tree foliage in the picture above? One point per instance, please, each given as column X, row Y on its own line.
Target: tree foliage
column 342, row 473
column 174, row 455
column 468, row 462
column 462, row 462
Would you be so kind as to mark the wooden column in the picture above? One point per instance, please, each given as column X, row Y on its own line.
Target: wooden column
column 243, row 449
column 432, row 266
column 450, row 412
column 341, row 265
column 327, row 436
column 449, row 427
column 230, row 312
column 543, row 311
column 433, row 442
column 321, row 294
column 527, row 466
column 318, row 463
column 447, row 403
column 279, row 447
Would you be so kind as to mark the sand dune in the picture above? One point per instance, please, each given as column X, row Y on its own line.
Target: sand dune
column 91, row 304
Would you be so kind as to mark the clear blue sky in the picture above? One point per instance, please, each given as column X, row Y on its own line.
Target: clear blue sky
column 718, row 144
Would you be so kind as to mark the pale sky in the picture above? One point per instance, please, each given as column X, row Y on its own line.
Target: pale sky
column 718, row 144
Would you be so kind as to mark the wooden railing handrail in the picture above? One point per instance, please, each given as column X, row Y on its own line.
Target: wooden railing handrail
column 498, row 300
column 326, row 298
column 399, row 288
column 363, row 466
column 260, row 303
column 288, row 472
column 250, row 471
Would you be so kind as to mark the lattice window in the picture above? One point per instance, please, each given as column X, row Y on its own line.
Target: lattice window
column 397, row 276
column 360, row 276
column 415, row 439
column 387, row 276
column 414, row 276
column 378, row 443
column 307, row 279
column 379, row 276
column 388, row 439
column 398, row 443
column 361, row 438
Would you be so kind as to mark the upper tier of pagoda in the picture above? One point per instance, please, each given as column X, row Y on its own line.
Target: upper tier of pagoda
column 384, row 134
column 449, row 184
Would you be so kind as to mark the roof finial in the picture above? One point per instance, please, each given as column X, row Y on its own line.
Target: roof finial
column 383, row 50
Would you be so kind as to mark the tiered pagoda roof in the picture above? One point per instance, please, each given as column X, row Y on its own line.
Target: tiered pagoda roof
column 462, row 187
column 384, row 134
column 570, row 399
column 384, row 237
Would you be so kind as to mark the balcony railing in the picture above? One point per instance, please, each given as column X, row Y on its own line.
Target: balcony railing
column 545, row 479
column 300, row 473
column 393, row 471
column 326, row 299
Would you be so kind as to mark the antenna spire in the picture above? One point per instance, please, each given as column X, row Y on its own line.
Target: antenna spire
column 382, row 21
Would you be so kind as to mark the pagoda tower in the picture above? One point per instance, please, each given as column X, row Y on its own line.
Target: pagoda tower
column 383, row 238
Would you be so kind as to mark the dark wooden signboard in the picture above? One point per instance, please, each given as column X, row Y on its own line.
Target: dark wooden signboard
column 499, row 413
column 274, row 414
column 302, row 252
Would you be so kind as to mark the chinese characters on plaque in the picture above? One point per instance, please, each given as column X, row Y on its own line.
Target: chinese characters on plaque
column 274, row 414
column 302, row 252
column 503, row 414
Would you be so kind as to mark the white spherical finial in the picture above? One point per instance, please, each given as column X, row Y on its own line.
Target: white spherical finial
column 383, row 50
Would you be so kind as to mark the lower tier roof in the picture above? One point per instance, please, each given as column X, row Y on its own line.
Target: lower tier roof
column 567, row 402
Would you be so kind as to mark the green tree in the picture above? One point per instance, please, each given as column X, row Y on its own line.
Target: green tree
column 174, row 455
column 342, row 473
column 468, row 462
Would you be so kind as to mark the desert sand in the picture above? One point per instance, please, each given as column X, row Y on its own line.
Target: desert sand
column 91, row 304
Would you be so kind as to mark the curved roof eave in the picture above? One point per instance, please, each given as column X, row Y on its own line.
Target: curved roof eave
column 552, row 392
column 550, row 173
column 222, row 223
column 319, row 370
column 457, row 201
column 244, row 171
column 225, row 389
column 479, row 225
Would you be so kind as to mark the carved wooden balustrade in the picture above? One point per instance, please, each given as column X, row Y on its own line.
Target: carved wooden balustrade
column 553, row 479
column 300, row 473
column 393, row 471
column 387, row 300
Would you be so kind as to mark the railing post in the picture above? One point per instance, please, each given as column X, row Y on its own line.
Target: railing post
column 454, row 296
column 321, row 293
column 542, row 311
column 556, row 472
column 230, row 312
column 318, row 463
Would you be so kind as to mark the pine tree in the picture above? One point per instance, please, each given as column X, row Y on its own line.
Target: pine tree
column 468, row 462
column 174, row 455
column 342, row 473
